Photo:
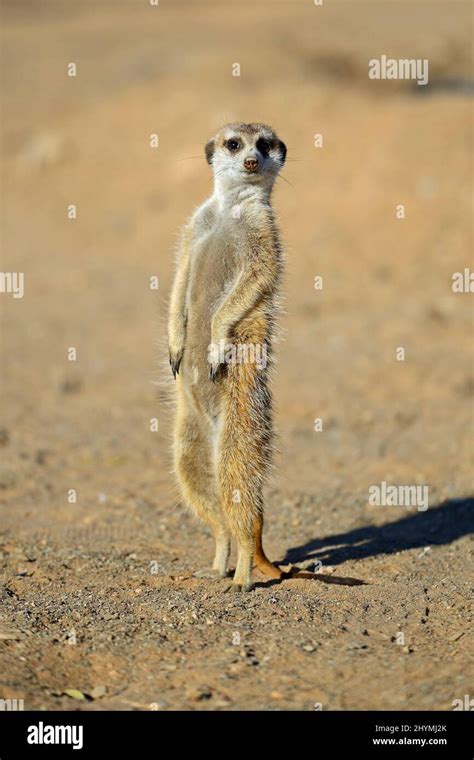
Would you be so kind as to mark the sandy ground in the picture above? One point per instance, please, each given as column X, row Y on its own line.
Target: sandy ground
column 99, row 596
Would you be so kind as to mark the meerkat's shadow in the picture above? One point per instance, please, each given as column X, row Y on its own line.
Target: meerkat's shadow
column 297, row 573
column 300, row 573
column 436, row 526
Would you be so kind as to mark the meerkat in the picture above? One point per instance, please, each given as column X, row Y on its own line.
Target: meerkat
column 224, row 301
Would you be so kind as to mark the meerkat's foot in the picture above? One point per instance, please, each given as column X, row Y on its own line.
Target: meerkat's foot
column 211, row 573
column 243, row 572
column 237, row 588
column 221, row 557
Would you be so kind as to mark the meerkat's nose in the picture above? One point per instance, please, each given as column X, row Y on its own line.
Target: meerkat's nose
column 251, row 164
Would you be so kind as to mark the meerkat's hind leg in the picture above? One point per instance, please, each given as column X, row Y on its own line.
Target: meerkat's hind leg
column 243, row 572
column 221, row 556
column 196, row 476
column 250, row 552
column 241, row 515
column 243, row 465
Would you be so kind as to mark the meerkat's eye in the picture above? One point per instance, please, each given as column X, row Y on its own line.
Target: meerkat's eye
column 264, row 146
column 233, row 145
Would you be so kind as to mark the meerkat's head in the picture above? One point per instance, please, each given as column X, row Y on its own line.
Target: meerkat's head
column 245, row 154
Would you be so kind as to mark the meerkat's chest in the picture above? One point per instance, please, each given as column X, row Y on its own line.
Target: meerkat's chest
column 216, row 262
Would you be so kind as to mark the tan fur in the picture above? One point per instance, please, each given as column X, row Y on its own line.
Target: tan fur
column 226, row 290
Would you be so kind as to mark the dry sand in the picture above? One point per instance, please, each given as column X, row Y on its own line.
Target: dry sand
column 101, row 593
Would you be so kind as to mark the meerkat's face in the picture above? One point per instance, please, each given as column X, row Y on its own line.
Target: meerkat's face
column 244, row 154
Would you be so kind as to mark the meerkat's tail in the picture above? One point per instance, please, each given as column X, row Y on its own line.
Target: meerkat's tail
column 261, row 560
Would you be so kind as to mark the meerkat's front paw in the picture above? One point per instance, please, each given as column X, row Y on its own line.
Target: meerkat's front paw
column 215, row 360
column 176, row 357
column 215, row 372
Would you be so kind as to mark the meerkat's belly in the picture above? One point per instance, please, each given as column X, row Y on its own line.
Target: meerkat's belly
column 215, row 266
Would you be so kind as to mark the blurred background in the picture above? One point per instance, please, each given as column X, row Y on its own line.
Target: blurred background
column 85, row 425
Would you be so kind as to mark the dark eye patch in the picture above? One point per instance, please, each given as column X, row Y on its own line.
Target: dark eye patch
column 264, row 146
column 282, row 147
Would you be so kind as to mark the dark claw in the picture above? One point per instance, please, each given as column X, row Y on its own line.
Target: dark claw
column 216, row 373
column 175, row 364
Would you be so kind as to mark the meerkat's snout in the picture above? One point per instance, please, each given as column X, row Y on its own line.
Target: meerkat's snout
column 251, row 163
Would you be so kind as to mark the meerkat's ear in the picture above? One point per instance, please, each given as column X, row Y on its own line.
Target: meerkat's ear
column 209, row 150
column 282, row 148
